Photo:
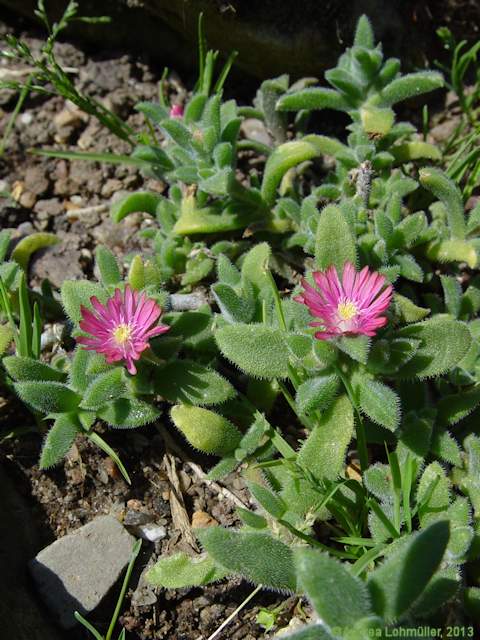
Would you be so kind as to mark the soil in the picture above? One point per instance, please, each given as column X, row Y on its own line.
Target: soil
column 72, row 199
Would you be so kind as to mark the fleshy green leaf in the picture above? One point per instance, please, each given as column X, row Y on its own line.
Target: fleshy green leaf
column 433, row 494
column 380, row 403
column 180, row 570
column 255, row 266
column 28, row 245
column 108, row 266
column 76, row 293
column 192, row 383
column 357, row 347
column 316, row 394
column 258, row 350
column 408, row 86
column 444, row 342
column 334, row 244
column 400, row 580
column 104, row 388
column 206, row 430
column 48, row 397
column 364, row 36
column 447, row 192
column 324, row 451
column 128, row 413
column 313, row 98
column 336, row 595
column 455, row 407
column 256, row 556
column 407, row 310
column 415, row 150
column 286, row 156
column 453, row 251
column 233, row 307
column 22, row 369
column 142, row 201
column 58, row 441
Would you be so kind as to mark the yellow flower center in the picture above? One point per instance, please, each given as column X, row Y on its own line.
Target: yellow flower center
column 346, row 310
column 122, row 333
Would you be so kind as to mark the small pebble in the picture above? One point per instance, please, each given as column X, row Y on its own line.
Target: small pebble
column 136, row 518
column 26, row 118
column 151, row 532
column 202, row 519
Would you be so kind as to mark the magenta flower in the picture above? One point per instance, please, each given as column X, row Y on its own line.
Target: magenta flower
column 176, row 111
column 122, row 327
column 351, row 307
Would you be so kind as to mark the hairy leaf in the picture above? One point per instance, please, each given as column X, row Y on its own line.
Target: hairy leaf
column 258, row 350
column 104, row 388
column 313, row 98
column 76, row 293
column 336, row 595
column 192, row 383
column 380, row 403
column 142, row 201
column 22, row 368
column 107, row 265
column 448, row 192
column 58, row 441
column 48, row 397
column 180, row 570
column 335, row 244
column 444, row 342
column 257, row 556
column 206, row 430
column 128, row 413
column 408, row 86
column 433, row 494
column 323, row 453
column 316, row 394
column 400, row 580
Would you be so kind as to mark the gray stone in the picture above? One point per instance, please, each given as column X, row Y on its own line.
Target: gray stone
column 135, row 518
column 152, row 532
column 77, row 571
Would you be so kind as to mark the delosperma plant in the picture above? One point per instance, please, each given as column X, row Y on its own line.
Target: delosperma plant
column 335, row 363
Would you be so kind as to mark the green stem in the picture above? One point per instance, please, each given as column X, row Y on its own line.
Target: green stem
column 282, row 446
column 367, row 557
column 126, row 580
column 100, row 442
column 21, row 99
column 87, row 625
column 383, row 518
column 407, row 488
column 7, row 308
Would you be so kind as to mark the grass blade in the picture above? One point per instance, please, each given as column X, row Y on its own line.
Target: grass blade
column 100, row 442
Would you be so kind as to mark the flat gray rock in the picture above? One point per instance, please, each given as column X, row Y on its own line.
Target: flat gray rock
column 77, row 571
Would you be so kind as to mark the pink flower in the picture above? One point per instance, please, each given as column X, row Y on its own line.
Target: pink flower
column 350, row 307
column 176, row 111
column 121, row 328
